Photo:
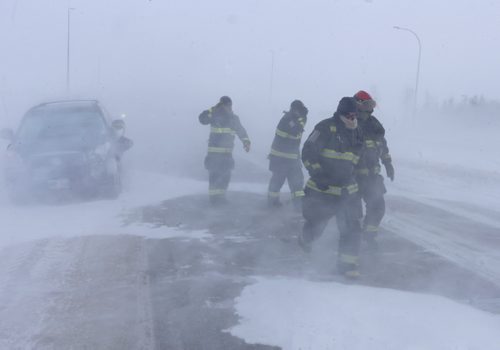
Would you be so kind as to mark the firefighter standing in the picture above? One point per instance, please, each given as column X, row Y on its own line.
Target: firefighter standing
column 371, row 183
column 219, row 162
column 330, row 155
column 284, row 158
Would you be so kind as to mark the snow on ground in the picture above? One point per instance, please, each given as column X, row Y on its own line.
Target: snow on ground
column 298, row 314
column 452, row 167
column 27, row 223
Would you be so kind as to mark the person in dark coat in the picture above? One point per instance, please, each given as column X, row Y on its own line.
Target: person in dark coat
column 219, row 162
column 370, row 182
column 330, row 155
column 284, row 158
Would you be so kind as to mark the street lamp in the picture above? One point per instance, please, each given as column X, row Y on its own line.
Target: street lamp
column 67, row 47
column 418, row 66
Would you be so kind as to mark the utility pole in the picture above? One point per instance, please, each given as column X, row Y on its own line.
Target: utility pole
column 68, row 51
column 418, row 67
column 271, row 79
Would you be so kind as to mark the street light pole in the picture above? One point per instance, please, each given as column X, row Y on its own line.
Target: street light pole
column 271, row 73
column 418, row 66
column 68, row 50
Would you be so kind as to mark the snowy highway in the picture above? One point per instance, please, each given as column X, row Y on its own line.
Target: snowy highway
column 144, row 272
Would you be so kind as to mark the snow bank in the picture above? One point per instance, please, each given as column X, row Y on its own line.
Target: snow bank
column 298, row 314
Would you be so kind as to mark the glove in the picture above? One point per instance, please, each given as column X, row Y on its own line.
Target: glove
column 389, row 170
column 246, row 146
column 322, row 182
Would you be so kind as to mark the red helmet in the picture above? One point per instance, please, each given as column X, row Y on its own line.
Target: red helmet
column 362, row 95
column 365, row 102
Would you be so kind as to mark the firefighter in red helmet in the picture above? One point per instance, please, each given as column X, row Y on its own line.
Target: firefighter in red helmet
column 370, row 182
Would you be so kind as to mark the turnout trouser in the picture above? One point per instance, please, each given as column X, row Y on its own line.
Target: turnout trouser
column 219, row 175
column 290, row 171
column 318, row 208
column 372, row 190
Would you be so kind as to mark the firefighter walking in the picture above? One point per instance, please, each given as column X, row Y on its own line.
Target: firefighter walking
column 284, row 158
column 371, row 183
column 219, row 162
column 330, row 155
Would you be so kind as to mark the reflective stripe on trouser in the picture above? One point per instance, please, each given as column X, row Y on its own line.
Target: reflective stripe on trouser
column 216, row 192
column 367, row 171
column 218, row 182
column 293, row 175
column 348, row 221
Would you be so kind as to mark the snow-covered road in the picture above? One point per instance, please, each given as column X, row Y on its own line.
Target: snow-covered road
column 105, row 275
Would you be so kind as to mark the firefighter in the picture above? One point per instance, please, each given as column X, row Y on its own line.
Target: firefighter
column 371, row 183
column 284, row 158
column 219, row 162
column 330, row 155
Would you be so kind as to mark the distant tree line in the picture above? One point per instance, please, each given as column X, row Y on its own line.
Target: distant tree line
column 466, row 105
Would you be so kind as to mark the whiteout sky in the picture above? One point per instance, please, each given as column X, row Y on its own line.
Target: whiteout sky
column 162, row 62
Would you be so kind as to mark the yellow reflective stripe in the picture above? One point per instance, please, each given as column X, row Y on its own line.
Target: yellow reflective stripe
column 314, row 166
column 366, row 171
column 386, row 156
column 220, row 150
column 334, row 190
column 333, row 128
column 352, row 274
column 370, row 144
column 245, row 139
column 298, row 194
column 222, row 130
column 273, row 194
column 371, row 228
column 216, row 192
column 284, row 155
column 302, row 122
column 349, row 259
column 332, row 154
column 287, row 135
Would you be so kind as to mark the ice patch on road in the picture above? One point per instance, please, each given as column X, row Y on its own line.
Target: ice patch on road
column 298, row 314
column 165, row 232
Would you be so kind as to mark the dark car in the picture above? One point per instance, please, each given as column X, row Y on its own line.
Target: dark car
column 65, row 147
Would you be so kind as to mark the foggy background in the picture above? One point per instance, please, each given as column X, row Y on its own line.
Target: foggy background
column 162, row 62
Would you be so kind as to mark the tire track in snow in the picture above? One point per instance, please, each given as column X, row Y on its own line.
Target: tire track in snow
column 472, row 245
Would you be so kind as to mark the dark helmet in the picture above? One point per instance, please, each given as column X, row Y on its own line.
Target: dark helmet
column 299, row 107
column 226, row 101
column 347, row 105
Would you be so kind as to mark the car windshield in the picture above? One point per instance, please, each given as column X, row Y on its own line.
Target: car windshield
column 62, row 129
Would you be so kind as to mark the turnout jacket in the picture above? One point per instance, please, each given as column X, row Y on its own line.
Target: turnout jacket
column 330, row 155
column 374, row 146
column 287, row 138
column 224, row 126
